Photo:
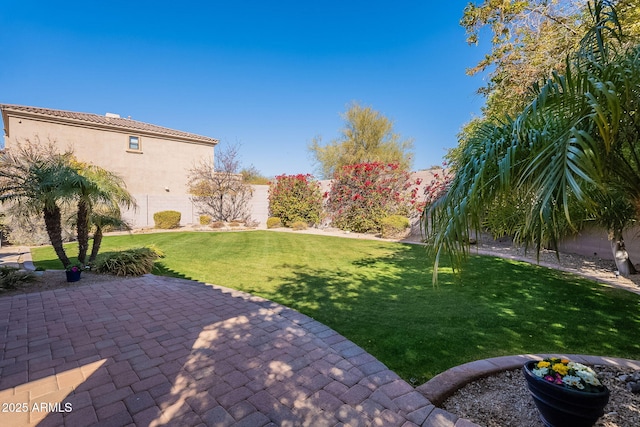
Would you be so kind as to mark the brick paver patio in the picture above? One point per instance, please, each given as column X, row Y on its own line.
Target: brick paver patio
column 161, row 351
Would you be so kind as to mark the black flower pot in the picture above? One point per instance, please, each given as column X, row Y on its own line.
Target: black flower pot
column 562, row 406
column 73, row 276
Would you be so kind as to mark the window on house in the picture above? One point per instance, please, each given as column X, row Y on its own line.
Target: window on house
column 134, row 143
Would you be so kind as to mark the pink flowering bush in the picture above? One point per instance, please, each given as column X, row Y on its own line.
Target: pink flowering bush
column 295, row 198
column 362, row 195
column 438, row 186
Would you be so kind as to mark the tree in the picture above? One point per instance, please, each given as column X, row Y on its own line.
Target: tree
column 99, row 187
column 367, row 137
column 102, row 217
column 530, row 39
column 220, row 191
column 39, row 179
column 251, row 175
column 571, row 155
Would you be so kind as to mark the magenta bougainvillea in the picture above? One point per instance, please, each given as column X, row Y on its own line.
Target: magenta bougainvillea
column 295, row 198
column 363, row 194
column 438, row 186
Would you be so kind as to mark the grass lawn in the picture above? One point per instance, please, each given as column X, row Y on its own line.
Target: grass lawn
column 379, row 295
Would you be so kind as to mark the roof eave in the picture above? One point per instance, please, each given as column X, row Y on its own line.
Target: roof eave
column 34, row 115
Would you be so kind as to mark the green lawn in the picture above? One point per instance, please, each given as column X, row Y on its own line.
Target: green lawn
column 380, row 296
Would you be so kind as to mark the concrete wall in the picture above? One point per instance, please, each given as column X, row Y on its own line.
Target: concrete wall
column 594, row 242
column 259, row 205
column 149, row 204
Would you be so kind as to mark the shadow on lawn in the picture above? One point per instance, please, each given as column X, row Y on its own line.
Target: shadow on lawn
column 388, row 306
column 160, row 269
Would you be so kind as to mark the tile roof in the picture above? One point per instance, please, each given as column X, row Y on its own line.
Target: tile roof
column 108, row 121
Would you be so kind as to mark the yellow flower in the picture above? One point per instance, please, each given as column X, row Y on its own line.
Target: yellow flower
column 543, row 364
column 560, row 368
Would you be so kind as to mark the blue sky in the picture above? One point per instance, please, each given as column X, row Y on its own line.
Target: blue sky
column 267, row 75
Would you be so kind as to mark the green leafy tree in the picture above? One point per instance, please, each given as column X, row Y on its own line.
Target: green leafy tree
column 102, row 217
column 99, row 187
column 530, row 40
column 251, row 175
column 572, row 149
column 39, row 179
column 367, row 137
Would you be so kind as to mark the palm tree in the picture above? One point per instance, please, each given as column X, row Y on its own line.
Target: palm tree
column 571, row 155
column 99, row 187
column 39, row 179
column 101, row 218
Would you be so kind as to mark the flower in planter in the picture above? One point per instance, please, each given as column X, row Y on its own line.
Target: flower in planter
column 74, row 267
column 568, row 374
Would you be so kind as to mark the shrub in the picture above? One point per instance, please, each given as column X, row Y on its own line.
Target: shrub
column 394, row 226
column 274, row 222
column 362, row 195
column 205, row 219
column 299, row 225
column 11, row 277
column 295, row 197
column 235, row 224
column 167, row 219
column 132, row 262
column 217, row 224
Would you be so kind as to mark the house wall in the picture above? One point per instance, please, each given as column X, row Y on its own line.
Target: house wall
column 156, row 175
column 160, row 167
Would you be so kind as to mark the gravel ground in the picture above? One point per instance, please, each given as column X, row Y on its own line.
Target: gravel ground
column 503, row 400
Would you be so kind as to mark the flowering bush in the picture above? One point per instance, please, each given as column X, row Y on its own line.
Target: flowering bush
column 438, row 185
column 295, row 198
column 569, row 374
column 362, row 195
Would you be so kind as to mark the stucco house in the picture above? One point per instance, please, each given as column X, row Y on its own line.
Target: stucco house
column 153, row 160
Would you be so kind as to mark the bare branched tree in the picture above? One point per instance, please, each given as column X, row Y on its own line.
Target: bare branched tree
column 220, row 191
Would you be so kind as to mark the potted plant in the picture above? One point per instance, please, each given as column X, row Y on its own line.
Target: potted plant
column 73, row 272
column 566, row 393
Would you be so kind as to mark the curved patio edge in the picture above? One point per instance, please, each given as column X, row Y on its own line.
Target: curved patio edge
column 445, row 384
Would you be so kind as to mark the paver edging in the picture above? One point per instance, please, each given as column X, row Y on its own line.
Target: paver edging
column 445, row 384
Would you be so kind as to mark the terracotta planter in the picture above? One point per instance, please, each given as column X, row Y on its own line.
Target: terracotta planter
column 73, row 276
column 562, row 406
